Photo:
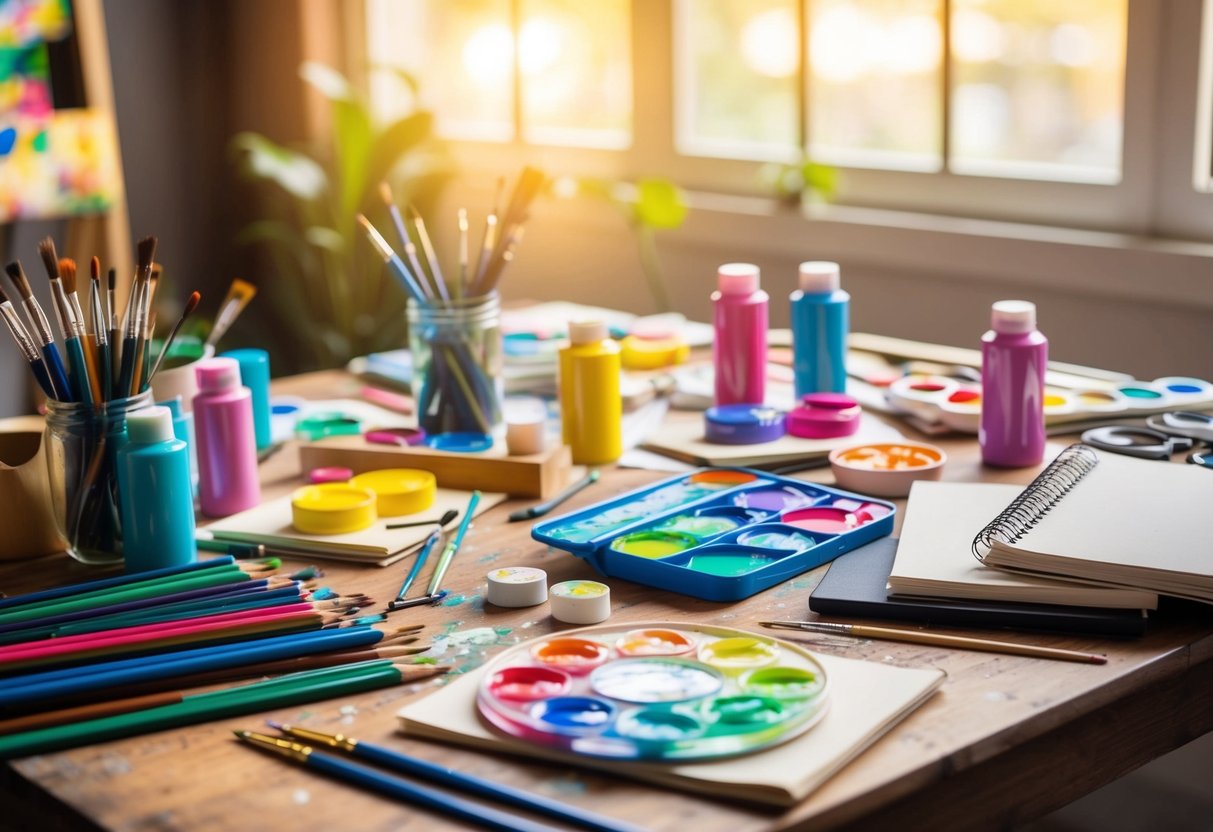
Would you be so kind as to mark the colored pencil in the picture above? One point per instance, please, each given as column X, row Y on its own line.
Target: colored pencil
column 298, row 688
column 106, row 583
column 938, row 639
column 452, row 779
column 413, row 794
column 40, row 329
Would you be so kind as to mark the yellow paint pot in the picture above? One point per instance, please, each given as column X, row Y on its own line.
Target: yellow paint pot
column 738, row 654
column 399, row 490
column 332, row 508
column 638, row 353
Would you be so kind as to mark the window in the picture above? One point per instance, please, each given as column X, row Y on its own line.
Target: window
column 1078, row 114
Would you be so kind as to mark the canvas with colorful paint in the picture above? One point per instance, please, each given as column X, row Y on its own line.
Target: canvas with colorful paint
column 52, row 162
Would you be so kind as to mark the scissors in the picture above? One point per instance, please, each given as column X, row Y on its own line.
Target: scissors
column 1196, row 426
column 1146, row 443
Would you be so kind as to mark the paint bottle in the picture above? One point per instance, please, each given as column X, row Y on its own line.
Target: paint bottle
column 739, row 350
column 183, row 429
column 227, row 442
column 591, row 408
column 1014, row 355
column 255, row 375
column 156, row 497
column 820, row 321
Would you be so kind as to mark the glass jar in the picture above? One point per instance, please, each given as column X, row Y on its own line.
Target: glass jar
column 457, row 362
column 82, row 443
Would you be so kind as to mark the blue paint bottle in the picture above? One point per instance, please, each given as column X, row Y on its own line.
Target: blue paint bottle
column 183, row 429
column 255, row 375
column 820, row 322
column 155, row 494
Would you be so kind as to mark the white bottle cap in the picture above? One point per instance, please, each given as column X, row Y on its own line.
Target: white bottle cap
column 581, row 602
column 587, row 332
column 737, row 278
column 818, row 276
column 1013, row 316
column 516, row 586
column 149, row 424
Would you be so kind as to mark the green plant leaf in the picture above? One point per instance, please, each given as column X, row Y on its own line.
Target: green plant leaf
column 326, row 238
column 394, row 143
column 295, row 173
column 659, row 204
column 353, row 133
column 821, row 180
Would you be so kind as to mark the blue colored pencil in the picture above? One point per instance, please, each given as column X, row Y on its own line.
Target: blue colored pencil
column 455, row 779
column 107, row 583
column 50, row 684
column 403, row 790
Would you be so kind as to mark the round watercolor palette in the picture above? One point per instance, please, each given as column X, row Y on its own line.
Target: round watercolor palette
column 654, row 691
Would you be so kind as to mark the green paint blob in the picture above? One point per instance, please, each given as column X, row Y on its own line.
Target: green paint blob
column 739, row 710
column 783, row 682
column 1140, row 393
column 727, row 566
column 40, row 142
column 653, row 544
column 699, row 526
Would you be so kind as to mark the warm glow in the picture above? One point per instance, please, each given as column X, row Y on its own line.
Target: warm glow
column 540, row 45
column 976, row 36
column 847, row 44
column 488, row 52
column 769, row 43
column 912, row 44
column 837, row 47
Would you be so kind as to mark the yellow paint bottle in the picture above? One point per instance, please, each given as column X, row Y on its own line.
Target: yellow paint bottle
column 591, row 409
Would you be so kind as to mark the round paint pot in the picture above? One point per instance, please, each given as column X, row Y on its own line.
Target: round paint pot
column 574, row 714
column 653, row 544
column 886, row 469
column 1140, row 395
column 399, row 490
column 572, row 655
column 739, row 654
column 720, row 478
column 649, row 681
column 824, row 416
column 654, row 642
column 827, row 519
column 783, row 683
column 742, row 424
column 961, row 410
column 526, row 684
column 460, row 442
column 332, row 508
column 1100, row 401
column 580, row 602
column 1184, row 389
column 525, row 421
column 642, row 353
column 920, row 395
column 332, row 473
column 516, row 586
column 1058, row 402
column 405, row 437
column 284, row 412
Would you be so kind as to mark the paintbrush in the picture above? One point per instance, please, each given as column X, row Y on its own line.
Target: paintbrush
column 111, row 289
column 29, row 351
column 102, row 368
column 410, row 251
column 411, row 284
column 143, row 369
column 133, row 324
column 239, row 293
column 41, row 330
column 530, row 182
column 462, row 285
column 427, row 248
column 452, row 779
column 91, row 376
column 190, row 306
column 69, row 327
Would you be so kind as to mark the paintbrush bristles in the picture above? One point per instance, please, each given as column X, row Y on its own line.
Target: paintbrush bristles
column 381, row 245
column 67, row 273
column 147, row 253
column 50, row 258
column 17, row 275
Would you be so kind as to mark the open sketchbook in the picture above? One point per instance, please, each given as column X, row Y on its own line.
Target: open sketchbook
column 935, row 557
column 1112, row 519
column 866, row 700
column 270, row 525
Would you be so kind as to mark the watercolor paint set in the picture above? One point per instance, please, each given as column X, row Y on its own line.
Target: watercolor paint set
column 655, row 692
column 721, row 534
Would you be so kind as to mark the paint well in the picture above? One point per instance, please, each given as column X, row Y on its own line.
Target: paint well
column 654, row 643
column 783, row 682
column 700, row 525
column 774, row 499
column 526, row 684
column 1140, row 393
column 656, row 725
column 648, row 681
column 574, row 655
column 653, row 544
column 728, row 566
column 721, row 477
column 791, row 541
column 827, row 520
column 573, row 713
column 739, row 653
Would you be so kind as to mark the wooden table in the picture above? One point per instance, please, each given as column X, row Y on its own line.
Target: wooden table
column 1007, row 739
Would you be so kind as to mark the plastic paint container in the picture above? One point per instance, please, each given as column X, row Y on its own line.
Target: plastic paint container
column 742, row 424
column 824, row 416
column 332, row 508
column 653, row 544
column 516, row 586
column 581, row 602
column 399, row 491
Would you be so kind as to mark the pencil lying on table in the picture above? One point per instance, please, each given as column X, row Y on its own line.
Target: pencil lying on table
column 937, row 639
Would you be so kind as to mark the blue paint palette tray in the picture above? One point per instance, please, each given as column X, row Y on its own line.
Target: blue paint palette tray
column 721, row 534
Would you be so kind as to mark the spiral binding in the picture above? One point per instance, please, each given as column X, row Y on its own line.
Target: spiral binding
column 1035, row 501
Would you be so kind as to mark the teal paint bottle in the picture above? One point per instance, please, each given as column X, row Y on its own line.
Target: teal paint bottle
column 155, row 493
column 183, row 429
column 255, row 375
column 820, row 321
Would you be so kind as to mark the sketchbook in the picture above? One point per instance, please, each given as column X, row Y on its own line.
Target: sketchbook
column 867, row 699
column 270, row 525
column 935, row 557
column 1109, row 519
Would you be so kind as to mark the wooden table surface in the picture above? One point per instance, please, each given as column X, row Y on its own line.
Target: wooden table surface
column 1005, row 740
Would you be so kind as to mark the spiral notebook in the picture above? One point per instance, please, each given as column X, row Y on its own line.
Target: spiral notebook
column 1112, row 520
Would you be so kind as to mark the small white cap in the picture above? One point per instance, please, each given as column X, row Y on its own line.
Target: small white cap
column 1013, row 316
column 818, row 276
column 737, row 278
column 587, row 332
column 581, row 602
column 149, row 424
column 516, row 586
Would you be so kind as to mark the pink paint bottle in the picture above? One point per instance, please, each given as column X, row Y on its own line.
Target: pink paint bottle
column 226, row 439
column 1014, row 355
column 739, row 350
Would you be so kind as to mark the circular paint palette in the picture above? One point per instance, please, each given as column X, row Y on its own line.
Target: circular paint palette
column 654, row 691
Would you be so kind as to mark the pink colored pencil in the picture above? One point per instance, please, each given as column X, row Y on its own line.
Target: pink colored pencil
column 131, row 635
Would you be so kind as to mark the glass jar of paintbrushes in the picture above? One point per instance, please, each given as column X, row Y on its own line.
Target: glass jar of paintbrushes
column 457, row 362
column 82, row 443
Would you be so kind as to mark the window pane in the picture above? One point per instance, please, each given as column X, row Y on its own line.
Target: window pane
column 462, row 53
column 1038, row 88
column 875, row 83
column 576, row 63
column 736, row 65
